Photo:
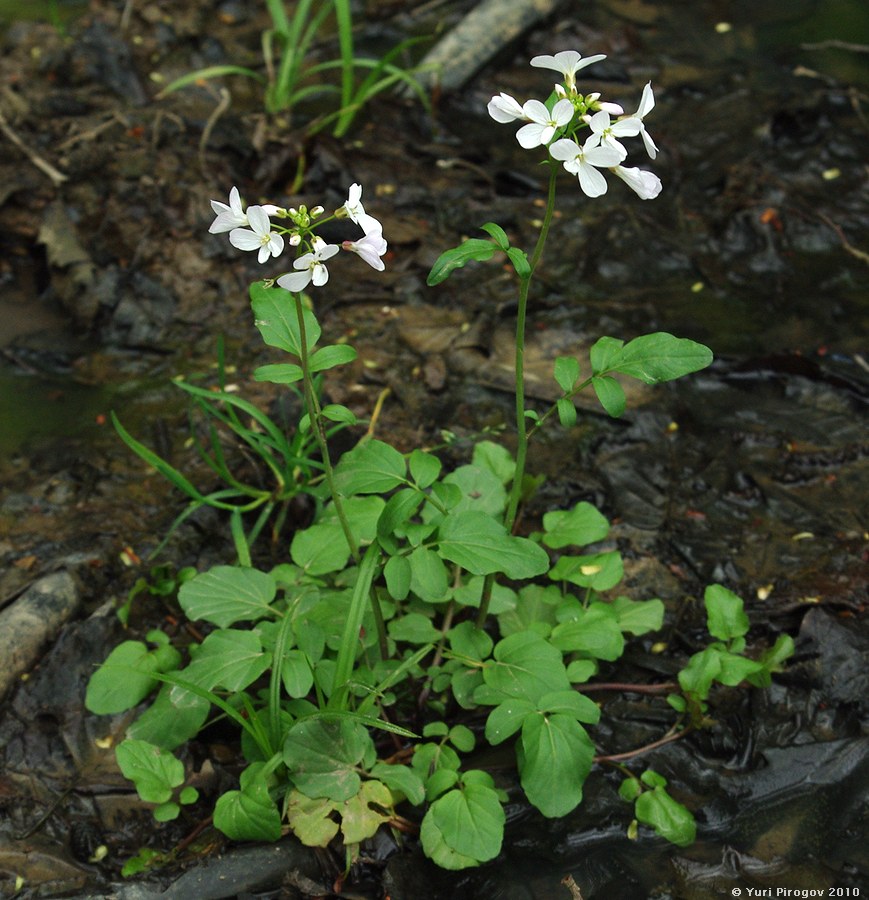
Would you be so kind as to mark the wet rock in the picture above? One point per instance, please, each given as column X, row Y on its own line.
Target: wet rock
column 31, row 621
column 239, row 872
column 842, row 663
column 487, row 29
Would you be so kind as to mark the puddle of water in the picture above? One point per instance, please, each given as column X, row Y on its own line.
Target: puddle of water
column 39, row 408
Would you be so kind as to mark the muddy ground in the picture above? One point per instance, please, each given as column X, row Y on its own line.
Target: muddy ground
column 753, row 473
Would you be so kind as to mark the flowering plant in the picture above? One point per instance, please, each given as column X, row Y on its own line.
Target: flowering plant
column 411, row 599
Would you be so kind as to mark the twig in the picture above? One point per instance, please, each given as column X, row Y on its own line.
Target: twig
column 219, row 110
column 629, row 688
column 849, row 247
column 116, row 119
column 836, row 44
column 572, row 886
column 57, row 177
column 630, row 754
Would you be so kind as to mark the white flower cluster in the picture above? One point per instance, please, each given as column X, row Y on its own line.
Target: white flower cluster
column 572, row 112
column 252, row 229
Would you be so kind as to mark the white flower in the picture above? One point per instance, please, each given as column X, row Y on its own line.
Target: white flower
column 543, row 124
column 605, row 134
column 505, row 108
column 370, row 247
column 310, row 268
column 594, row 102
column 228, row 217
column 584, row 162
column 271, row 210
column 568, row 62
column 646, row 184
column 259, row 237
column 647, row 104
column 356, row 211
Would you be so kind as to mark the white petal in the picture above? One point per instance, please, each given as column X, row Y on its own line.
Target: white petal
column 327, row 251
column 276, row 244
column 647, row 102
column 295, row 281
column 504, row 108
column 531, row 135
column 646, row 185
column 320, row 274
column 235, row 201
column 591, row 181
column 536, row 111
column 244, row 239
column 651, row 149
column 562, row 112
column 564, row 149
column 258, row 219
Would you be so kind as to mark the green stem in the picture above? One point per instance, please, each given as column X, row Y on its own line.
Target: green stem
column 521, row 430
column 315, row 416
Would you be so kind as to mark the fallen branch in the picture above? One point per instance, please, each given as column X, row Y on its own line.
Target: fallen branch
column 57, row 177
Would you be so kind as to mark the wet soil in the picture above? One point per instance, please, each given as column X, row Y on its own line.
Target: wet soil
column 753, row 473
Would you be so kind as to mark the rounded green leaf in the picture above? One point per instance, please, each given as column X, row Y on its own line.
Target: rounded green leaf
column 228, row 594
column 584, row 524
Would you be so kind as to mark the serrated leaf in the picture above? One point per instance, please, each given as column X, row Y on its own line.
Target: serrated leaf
column 277, row 321
column 772, row 659
column 725, row 614
column 668, row 817
column 702, row 669
column 556, row 757
column 584, row 524
column 457, row 257
column 480, row 544
column 736, row 669
column 228, row 594
column 370, row 468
